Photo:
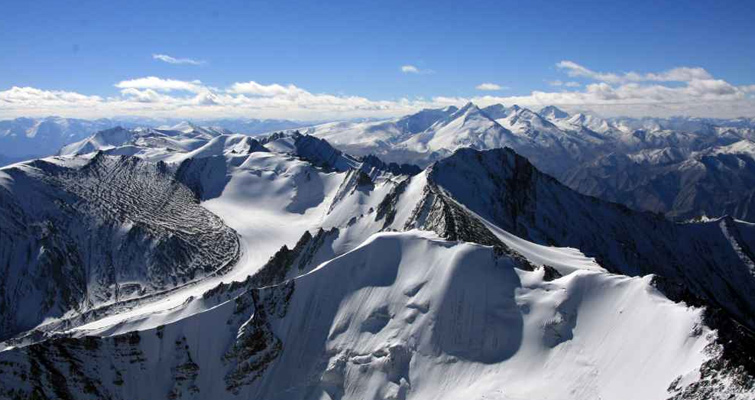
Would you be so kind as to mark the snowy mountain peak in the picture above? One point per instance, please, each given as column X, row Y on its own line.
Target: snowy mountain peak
column 183, row 126
column 467, row 109
column 496, row 111
column 553, row 113
column 190, row 129
column 422, row 120
column 590, row 121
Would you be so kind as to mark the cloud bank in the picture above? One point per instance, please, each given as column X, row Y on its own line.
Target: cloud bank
column 691, row 91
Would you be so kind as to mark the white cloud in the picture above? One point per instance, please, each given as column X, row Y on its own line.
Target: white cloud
column 38, row 96
column 257, row 89
column 490, row 86
column 409, row 69
column 172, row 60
column 680, row 74
column 143, row 95
column 648, row 94
column 155, row 83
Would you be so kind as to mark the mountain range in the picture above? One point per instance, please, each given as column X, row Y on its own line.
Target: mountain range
column 28, row 138
column 683, row 168
column 193, row 262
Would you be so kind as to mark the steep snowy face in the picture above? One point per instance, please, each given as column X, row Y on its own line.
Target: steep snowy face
column 504, row 189
column 424, row 119
column 78, row 233
column 405, row 315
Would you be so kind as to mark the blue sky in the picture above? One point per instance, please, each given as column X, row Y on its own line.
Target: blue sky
column 357, row 48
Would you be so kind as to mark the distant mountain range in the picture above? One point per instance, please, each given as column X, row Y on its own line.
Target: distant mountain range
column 681, row 167
column 27, row 138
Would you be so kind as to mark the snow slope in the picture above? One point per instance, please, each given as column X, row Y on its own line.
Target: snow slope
column 412, row 317
column 479, row 277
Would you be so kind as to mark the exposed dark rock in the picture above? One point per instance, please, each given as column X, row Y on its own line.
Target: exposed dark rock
column 550, row 273
column 394, row 168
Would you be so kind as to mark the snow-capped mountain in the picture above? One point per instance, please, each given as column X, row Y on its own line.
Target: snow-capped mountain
column 619, row 159
column 26, row 138
column 477, row 277
column 553, row 113
column 251, row 126
column 446, row 130
column 179, row 138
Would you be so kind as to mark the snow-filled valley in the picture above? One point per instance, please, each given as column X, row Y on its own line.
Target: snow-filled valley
column 197, row 263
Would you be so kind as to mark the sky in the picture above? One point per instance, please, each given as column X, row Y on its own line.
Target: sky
column 346, row 59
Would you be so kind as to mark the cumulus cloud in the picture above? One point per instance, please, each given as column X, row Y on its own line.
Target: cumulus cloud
column 159, row 84
column 172, row 60
column 679, row 91
column 490, row 86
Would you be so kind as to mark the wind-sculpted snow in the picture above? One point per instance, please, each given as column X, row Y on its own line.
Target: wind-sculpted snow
column 77, row 234
column 404, row 316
